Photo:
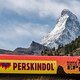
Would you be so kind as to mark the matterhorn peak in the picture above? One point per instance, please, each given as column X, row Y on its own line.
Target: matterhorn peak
column 65, row 31
column 66, row 11
column 69, row 13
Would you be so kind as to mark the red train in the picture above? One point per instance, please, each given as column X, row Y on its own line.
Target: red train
column 23, row 64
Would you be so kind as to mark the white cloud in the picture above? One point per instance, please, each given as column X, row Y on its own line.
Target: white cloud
column 13, row 35
column 43, row 8
column 21, row 30
column 75, row 7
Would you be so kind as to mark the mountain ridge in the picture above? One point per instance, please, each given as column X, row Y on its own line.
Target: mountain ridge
column 66, row 30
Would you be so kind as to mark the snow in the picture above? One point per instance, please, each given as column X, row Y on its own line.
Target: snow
column 66, row 30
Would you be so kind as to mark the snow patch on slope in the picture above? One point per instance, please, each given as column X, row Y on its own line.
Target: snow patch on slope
column 56, row 32
column 66, row 30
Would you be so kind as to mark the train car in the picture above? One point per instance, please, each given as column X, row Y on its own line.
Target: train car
column 24, row 64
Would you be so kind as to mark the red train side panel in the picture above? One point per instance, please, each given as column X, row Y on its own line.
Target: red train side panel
column 23, row 64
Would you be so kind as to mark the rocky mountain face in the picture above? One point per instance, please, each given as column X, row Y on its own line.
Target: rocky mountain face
column 34, row 49
column 65, row 31
column 2, row 51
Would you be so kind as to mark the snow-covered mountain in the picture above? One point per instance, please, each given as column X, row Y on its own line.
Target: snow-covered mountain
column 65, row 31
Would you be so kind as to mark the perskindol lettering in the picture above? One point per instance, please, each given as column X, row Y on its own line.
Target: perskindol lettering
column 33, row 66
column 30, row 66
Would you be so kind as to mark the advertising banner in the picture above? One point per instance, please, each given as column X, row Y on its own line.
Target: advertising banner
column 39, row 64
column 28, row 66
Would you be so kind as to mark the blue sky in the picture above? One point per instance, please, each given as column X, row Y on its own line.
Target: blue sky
column 24, row 21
